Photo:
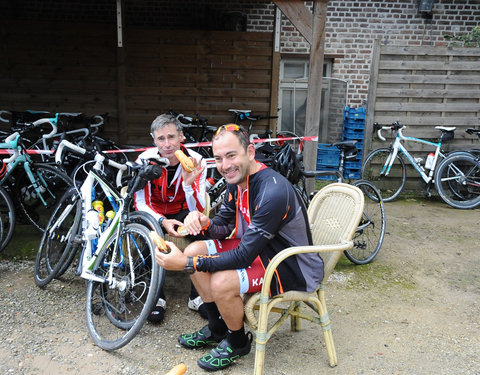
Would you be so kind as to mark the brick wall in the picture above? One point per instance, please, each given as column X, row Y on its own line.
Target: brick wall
column 352, row 26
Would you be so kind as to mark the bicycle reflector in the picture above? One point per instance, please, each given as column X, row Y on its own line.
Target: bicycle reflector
column 3, row 169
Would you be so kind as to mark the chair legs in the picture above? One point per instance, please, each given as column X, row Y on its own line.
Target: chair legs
column 262, row 334
column 326, row 328
column 295, row 321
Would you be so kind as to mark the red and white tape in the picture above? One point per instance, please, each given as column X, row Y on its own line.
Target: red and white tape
column 189, row 145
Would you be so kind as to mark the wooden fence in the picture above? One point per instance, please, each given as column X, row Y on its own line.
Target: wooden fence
column 78, row 68
column 423, row 87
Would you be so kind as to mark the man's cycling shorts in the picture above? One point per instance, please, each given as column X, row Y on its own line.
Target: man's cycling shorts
column 251, row 278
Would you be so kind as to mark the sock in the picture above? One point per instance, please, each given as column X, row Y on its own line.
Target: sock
column 193, row 291
column 215, row 322
column 238, row 339
column 161, row 294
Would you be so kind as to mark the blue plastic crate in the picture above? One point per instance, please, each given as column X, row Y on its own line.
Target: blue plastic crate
column 328, row 155
column 350, row 164
column 353, row 124
column 353, row 137
column 355, row 113
column 352, row 173
column 329, row 159
column 327, row 147
column 330, row 178
column 353, row 134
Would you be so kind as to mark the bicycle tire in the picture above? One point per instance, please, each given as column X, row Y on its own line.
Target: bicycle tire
column 457, row 179
column 146, row 219
column 76, row 243
column 451, row 183
column 389, row 186
column 55, row 247
column 368, row 238
column 115, row 315
column 7, row 218
column 53, row 182
column 302, row 193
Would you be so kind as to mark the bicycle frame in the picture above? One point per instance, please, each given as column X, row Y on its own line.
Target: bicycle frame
column 95, row 247
column 398, row 146
column 95, row 239
column 11, row 143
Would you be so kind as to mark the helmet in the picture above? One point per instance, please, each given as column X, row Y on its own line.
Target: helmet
column 286, row 163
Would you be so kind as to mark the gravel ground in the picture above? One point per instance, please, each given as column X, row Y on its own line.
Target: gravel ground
column 413, row 311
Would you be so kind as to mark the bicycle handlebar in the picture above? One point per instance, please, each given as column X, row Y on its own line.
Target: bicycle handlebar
column 49, row 122
column 11, row 143
column 396, row 126
column 321, row 173
column 98, row 157
column 3, row 119
column 64, row 143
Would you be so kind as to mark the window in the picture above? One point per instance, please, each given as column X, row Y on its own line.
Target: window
column 293, row 93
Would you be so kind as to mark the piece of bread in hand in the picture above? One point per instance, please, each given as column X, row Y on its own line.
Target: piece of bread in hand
column 185, row 161
column 179, row 369
column 159, row 242
column 182, row 231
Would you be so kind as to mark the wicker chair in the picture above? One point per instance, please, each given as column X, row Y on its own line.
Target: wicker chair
column 334, row 214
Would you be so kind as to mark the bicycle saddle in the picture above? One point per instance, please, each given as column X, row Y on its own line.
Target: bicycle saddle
column 349, row 148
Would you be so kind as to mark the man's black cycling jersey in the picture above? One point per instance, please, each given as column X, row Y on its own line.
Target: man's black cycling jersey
column 278, row 221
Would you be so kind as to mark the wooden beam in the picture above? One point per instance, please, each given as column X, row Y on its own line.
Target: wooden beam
column 121, row 89
column 313, row 127
column 299, row 15
column 275, row 80
column 372, row 94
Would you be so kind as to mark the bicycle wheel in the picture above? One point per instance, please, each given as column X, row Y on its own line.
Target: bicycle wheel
column 369, row 235
column 452, row 184
column 116, row 311
column 146, row 219
column 51, row 182
column 53, row 256
column 7, row 218
column 390, row 185
column 457, row 180
column 302, row 193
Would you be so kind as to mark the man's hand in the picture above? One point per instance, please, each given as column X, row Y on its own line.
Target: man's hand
column 169, row 225
column 195, row 221
column 190, row 177
column 173, row 261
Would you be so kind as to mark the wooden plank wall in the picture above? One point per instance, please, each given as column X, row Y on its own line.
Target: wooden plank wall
column 46, row 66
column 75, row 68
column 204, row 72
column 423, row 87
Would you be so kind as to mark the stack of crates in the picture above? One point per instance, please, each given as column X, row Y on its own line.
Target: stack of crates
column 354, row 129
column 328, row 159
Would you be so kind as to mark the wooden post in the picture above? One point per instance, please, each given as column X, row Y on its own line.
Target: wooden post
column 122, row 133
column 275, row 80
column 313, row 127
column 372, row 93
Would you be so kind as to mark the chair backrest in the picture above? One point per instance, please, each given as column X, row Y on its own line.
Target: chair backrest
column 334, row 214
column 206, row 211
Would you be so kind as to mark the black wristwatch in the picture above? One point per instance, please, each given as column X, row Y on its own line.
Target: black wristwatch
column 160, row 221
column 189, row 267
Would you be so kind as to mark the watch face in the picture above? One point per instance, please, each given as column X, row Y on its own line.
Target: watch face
column 189, row 267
